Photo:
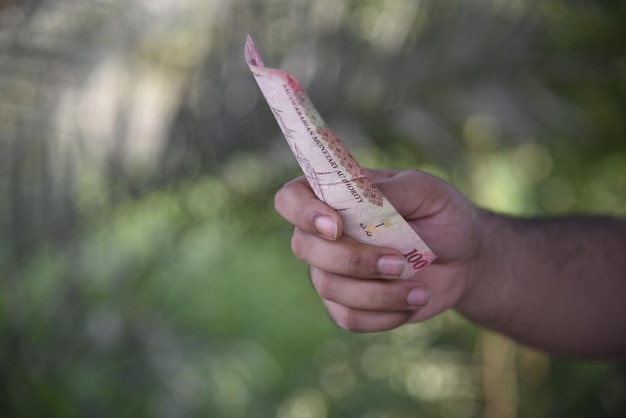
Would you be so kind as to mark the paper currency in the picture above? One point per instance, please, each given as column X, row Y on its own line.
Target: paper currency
column 334, row 175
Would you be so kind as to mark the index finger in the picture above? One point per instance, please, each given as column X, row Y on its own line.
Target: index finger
column 297, row 203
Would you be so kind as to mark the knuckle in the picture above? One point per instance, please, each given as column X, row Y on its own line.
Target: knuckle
column 352, row 263
column 349, row 320
column 323, row 286
column 416, row 175
column 279, row 200
column 298, row 246
column 389, row 298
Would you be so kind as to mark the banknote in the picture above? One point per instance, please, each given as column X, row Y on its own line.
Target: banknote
column 333, row 173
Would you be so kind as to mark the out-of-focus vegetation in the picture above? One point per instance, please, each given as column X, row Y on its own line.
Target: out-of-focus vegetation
column 144, row 272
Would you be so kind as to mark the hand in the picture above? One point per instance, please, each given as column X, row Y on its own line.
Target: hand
column 354, row 279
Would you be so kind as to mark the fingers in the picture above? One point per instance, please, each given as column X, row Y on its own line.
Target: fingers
column 348, row 257
column 297, row 203
column 379, row 175
column 372, row 295
column 352, row 278
column 365, row 321
column 337, row 254
column 368, row 306
column 413, row 193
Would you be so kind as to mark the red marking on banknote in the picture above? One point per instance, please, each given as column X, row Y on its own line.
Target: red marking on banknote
column 347, row 161
column 251, row 53
column 294, row 85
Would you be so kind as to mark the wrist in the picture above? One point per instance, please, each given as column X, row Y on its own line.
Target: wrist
column 487, row 287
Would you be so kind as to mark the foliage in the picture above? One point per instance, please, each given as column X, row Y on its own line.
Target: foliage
column 143, row 269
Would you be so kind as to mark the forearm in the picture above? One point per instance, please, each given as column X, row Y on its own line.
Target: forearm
column 556, row 284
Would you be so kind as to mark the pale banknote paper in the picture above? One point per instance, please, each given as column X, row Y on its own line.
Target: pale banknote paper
column 334, row 175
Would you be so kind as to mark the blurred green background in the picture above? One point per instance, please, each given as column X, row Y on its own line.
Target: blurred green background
column 144, row 272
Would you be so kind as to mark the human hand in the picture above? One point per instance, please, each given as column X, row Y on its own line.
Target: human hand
column 353, row 279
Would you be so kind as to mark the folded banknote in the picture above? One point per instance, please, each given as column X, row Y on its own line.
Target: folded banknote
column 334, row 175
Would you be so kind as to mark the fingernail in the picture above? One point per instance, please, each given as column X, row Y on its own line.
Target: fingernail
column 391, row 265
column 327, row 226
column 418, row 296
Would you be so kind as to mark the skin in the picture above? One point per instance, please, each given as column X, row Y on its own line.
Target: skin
column 555, row 284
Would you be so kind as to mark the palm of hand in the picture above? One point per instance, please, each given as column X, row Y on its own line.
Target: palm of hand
column 447, row 222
